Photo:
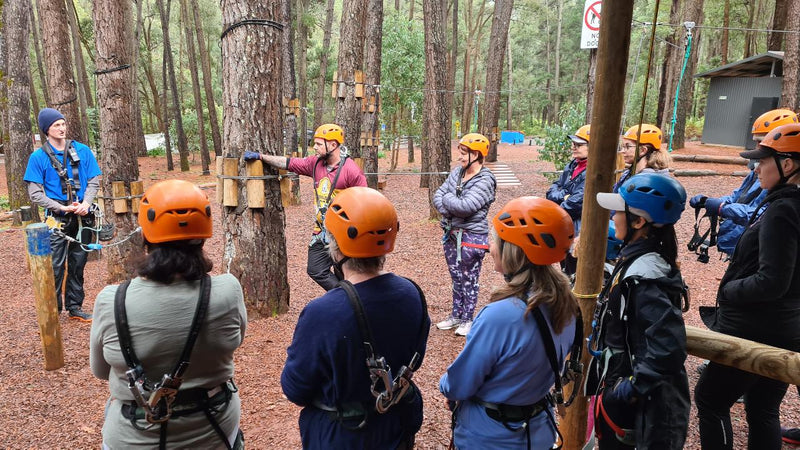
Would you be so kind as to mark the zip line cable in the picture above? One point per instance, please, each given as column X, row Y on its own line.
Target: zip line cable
column 689, row 26
column 709, row 27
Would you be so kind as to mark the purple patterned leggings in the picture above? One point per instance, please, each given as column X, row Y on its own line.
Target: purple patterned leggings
column 465, row 273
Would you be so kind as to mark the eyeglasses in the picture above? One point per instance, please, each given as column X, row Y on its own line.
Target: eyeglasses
column 576, row 145
column 628, row 147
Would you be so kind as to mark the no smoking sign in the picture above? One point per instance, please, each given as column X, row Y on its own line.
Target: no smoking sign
column 590, row 31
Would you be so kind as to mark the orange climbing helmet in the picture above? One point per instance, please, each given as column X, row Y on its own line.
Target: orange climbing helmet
column 330, row 132
column 581, row 135
column 476, row 142
column 541, row 228
column 773, row 119
column 175, row 210
column 363, row 222
column 651, row 134
column 781, row 141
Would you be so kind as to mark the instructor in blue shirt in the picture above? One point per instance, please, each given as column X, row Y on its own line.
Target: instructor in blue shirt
column 63, row 178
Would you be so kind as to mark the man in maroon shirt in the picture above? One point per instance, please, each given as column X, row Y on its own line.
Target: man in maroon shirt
column 332, row 172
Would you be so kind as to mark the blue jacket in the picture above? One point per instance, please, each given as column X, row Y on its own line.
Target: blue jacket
column 467, row 210
column 568, row 193
column 503, row 361
column 736, row 210
column 326, row 363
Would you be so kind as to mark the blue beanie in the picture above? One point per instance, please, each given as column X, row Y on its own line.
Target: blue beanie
column 46, row 118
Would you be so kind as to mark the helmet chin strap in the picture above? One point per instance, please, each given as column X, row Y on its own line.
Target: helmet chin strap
column 784, row 178
column 510, row 276
column 337, row 267
column 328, row 152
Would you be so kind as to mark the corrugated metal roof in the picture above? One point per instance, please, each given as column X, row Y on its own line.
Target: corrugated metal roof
column 763, row 65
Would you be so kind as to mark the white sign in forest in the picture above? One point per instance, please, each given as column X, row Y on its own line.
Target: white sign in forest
column 590, row 30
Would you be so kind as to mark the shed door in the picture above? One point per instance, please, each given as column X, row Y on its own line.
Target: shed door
column 759, row 106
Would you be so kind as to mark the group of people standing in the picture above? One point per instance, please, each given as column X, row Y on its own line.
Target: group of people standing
column 165, row 339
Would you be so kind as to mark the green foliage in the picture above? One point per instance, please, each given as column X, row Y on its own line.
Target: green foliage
column 189, row 117
column 533, row 127
column 694, row 128
column 556, row 144
column 93, row 116
column 381, row 154
column 158, row 151
column 5, row 205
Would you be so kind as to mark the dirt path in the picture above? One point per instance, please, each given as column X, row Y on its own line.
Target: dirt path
column 64, row 408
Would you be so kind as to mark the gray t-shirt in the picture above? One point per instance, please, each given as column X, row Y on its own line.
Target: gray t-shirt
column 160, row 316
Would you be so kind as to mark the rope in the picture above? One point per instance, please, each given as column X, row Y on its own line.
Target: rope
column 246, row 177
column 585, row 296
column 633, row 83
column 678, row 87
column 265, row 22
column 124, row 197
column 644, row 90
column 113, row 69
column 65, row 102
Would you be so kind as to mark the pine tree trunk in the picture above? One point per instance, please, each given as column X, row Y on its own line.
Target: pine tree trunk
column 791, row 59
column 726, row 23
column 83, row 91
column 113, row 37
column 319, row 98
column 255, row 245
column 467, row 94
column 34, row 95
column 136, row 106
column 436, row 110
column 165, row 106
column 779, row 18
column 372, row 63
column 37, row 50
column 15, row 33
column 151, row 82
column 60, row 83
column 509, row 85
column 557, row 66
column 494, row 74
column 301, row 51
column 205, row 62
column 453, row 59
column 671, row 69
column 351, row 59
column 694, row 13
column 289, row 80
column 590, row 84
column 183, row 146
column 205, row 159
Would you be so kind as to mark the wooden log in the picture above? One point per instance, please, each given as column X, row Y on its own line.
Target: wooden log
column 705, row 173
column 776, row 363
column 710, row 159
column 359, row 162
column 286, row 189
column 219, row 161
column 137, row 189
column 255, row 188
column 118, row 191
column 44, row 291
column 230, row 188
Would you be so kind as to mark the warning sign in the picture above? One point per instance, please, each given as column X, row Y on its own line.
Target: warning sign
column 590, row 31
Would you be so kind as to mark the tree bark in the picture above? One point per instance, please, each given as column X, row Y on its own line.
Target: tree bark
column 351, row 59
column 34, row 95
column 751, row 6
column 198, row 98
column 436, row 110
column 15, row 33
column 779, row 19
column 151, row 79
column 165, row 100
column 726, row 23
column 37, row 50
column 509, row 85
column 60, row 75
column 453, row 60
column 301, row 52
column 694, row 13
column 671, row 69
column 557, row 62
column 319, row 98
column 289, row 80
column 590, row 84
column 205, row 62
column 791, row 59
column 138, row 136
column 255, row 245
column 114, row 42
column 494, row 74
column 372, row 63
column 83, row 91
column 183, row 146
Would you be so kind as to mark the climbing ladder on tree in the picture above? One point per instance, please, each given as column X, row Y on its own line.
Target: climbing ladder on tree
column 505, row 176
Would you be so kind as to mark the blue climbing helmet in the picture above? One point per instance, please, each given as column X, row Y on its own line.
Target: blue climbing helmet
column 613, row 245
column 660, row 199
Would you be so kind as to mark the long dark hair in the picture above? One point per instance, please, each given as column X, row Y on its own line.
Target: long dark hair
column 177, row 260
column 665, row 237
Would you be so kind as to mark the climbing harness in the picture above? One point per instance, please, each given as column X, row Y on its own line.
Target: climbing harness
column 157, row 402
column 701, row 241
column 458, row 233
column 92, row 228
column 388, row 389
column 322, row 209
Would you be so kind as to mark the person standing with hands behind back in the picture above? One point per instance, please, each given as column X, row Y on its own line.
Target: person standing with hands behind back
column 464, row 200
column 332, row 171
column 63, row 178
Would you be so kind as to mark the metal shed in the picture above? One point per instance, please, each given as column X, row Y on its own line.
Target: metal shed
column 739, row 92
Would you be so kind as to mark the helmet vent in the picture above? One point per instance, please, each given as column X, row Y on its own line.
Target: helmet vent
column 183, row 224
column 533, row 240
column 549, row 240
column 352, row 232
column 151, row 214
column 522, row 222
column 380, row 243
column 537, row 221
column 181, row 211
column 208, row 210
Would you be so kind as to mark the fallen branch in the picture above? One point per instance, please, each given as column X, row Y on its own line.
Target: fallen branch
column 706, row 173
column 738, row 160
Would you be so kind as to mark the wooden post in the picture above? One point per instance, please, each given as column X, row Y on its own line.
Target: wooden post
column 286, row 189
column 776, row 363
column 612, row 57
column 117, row 191
column 220, row 186
column 137, row 189
column 230, row 188
column 44, row 291
column 255, row 188
column 26, row 217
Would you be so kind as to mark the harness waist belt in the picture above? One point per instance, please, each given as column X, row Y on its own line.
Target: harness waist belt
column 187, row 402
column 502, row 412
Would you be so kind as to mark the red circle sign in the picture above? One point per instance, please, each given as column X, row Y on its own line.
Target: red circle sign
column 592, row 17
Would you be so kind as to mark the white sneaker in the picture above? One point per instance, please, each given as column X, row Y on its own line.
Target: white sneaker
column 464, row 328
column 449, row 323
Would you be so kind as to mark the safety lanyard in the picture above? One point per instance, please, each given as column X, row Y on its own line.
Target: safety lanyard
column 550, row 349
column 157, row 400
column 335, row 180
column 379, row 371
column 67, row 178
